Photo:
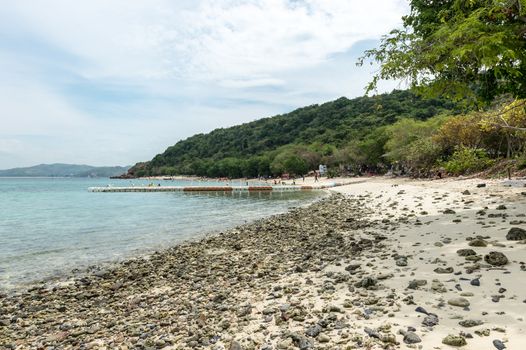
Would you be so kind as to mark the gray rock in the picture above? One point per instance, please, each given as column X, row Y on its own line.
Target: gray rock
column 301, row 342
column 372, row 333
column 516, row 234
column 401, row 262
column 411, row 338
column 414, row 284
column 235, row 346
column 466, row 252
column 475, row 282
column 496, row 259
column 313, row 331
column 460, row 302
column 430, row 320
column 421, row 310
column 367, row 282
column 499, row 344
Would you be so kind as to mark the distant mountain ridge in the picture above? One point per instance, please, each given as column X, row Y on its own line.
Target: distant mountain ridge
column 64, row 170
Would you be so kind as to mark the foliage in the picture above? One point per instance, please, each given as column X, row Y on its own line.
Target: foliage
column 467, row 160
column 411, row 143
column 330, row 133
column 288, row 162
column 466, row 50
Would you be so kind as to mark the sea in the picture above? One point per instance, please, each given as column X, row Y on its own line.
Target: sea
column 53, row 227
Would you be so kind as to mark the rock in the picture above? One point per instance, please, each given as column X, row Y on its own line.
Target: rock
column 454, row 340
column 460, row 302
column 516, row 234
column 474, row 258
column 234, row 345
column 388, row 338
column 430, row 320
column 499, row 344
column 470, row 323
column 449, row 211
column 313, row 331
column 496, row 259
column 401, row 262
column 367, row 282
column 352, row 268
column 438, row 286
column 466, row 252
column 301, row 342
column 501, row 207
column 421, row 310
column 478, row 243
column 481, row 185
column 372, row 333
column 444, row 270
column 324, row 338
column 475, row 282
column 414, row 284
column 411, row 338
column 466, row 192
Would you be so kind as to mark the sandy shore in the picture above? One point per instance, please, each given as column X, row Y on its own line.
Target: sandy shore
column 381, row 264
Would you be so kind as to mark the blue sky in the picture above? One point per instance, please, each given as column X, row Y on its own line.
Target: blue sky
column 113, row 82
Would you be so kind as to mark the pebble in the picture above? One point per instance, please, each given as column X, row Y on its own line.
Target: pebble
column 411, row 338
column 478, row 243
column 516, row 234
column 499, row 344
column 470, row 323
column 496, row 259
column 460, row 302
column 454, row 340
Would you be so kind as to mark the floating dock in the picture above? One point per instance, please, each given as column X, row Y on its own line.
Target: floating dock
column 276, row 188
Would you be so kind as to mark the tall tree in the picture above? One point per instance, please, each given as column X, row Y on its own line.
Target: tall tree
column 471, row 50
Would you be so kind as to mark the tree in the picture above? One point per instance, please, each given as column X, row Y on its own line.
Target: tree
column 467, row 50
column 289, row 162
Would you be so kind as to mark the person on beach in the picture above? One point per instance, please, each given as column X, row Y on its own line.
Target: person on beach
column 315, row 176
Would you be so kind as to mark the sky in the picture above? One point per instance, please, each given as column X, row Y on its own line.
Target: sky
column 114, row 82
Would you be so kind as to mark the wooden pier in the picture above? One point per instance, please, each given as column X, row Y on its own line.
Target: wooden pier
column 276, row 188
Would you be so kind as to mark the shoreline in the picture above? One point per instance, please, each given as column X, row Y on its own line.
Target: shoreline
column 87, row 270
column 331, row 275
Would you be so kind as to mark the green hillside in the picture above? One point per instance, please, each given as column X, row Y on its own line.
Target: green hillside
column 315, row 133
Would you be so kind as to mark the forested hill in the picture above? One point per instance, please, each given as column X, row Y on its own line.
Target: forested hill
column 311, row 133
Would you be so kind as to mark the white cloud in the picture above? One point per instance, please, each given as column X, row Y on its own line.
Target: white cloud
column 193, row 65
column 225, row 40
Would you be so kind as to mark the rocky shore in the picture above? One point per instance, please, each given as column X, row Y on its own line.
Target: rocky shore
column 377, row 265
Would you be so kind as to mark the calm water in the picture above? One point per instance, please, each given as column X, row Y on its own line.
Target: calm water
column 49, row 227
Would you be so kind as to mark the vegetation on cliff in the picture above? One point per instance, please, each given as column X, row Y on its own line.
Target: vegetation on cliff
column 340, row 132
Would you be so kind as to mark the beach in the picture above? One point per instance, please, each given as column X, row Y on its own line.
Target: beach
column 379, row 264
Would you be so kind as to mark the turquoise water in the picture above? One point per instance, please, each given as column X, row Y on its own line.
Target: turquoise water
column 51, row 226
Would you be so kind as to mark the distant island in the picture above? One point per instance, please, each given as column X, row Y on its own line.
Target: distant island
column 64, row 170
